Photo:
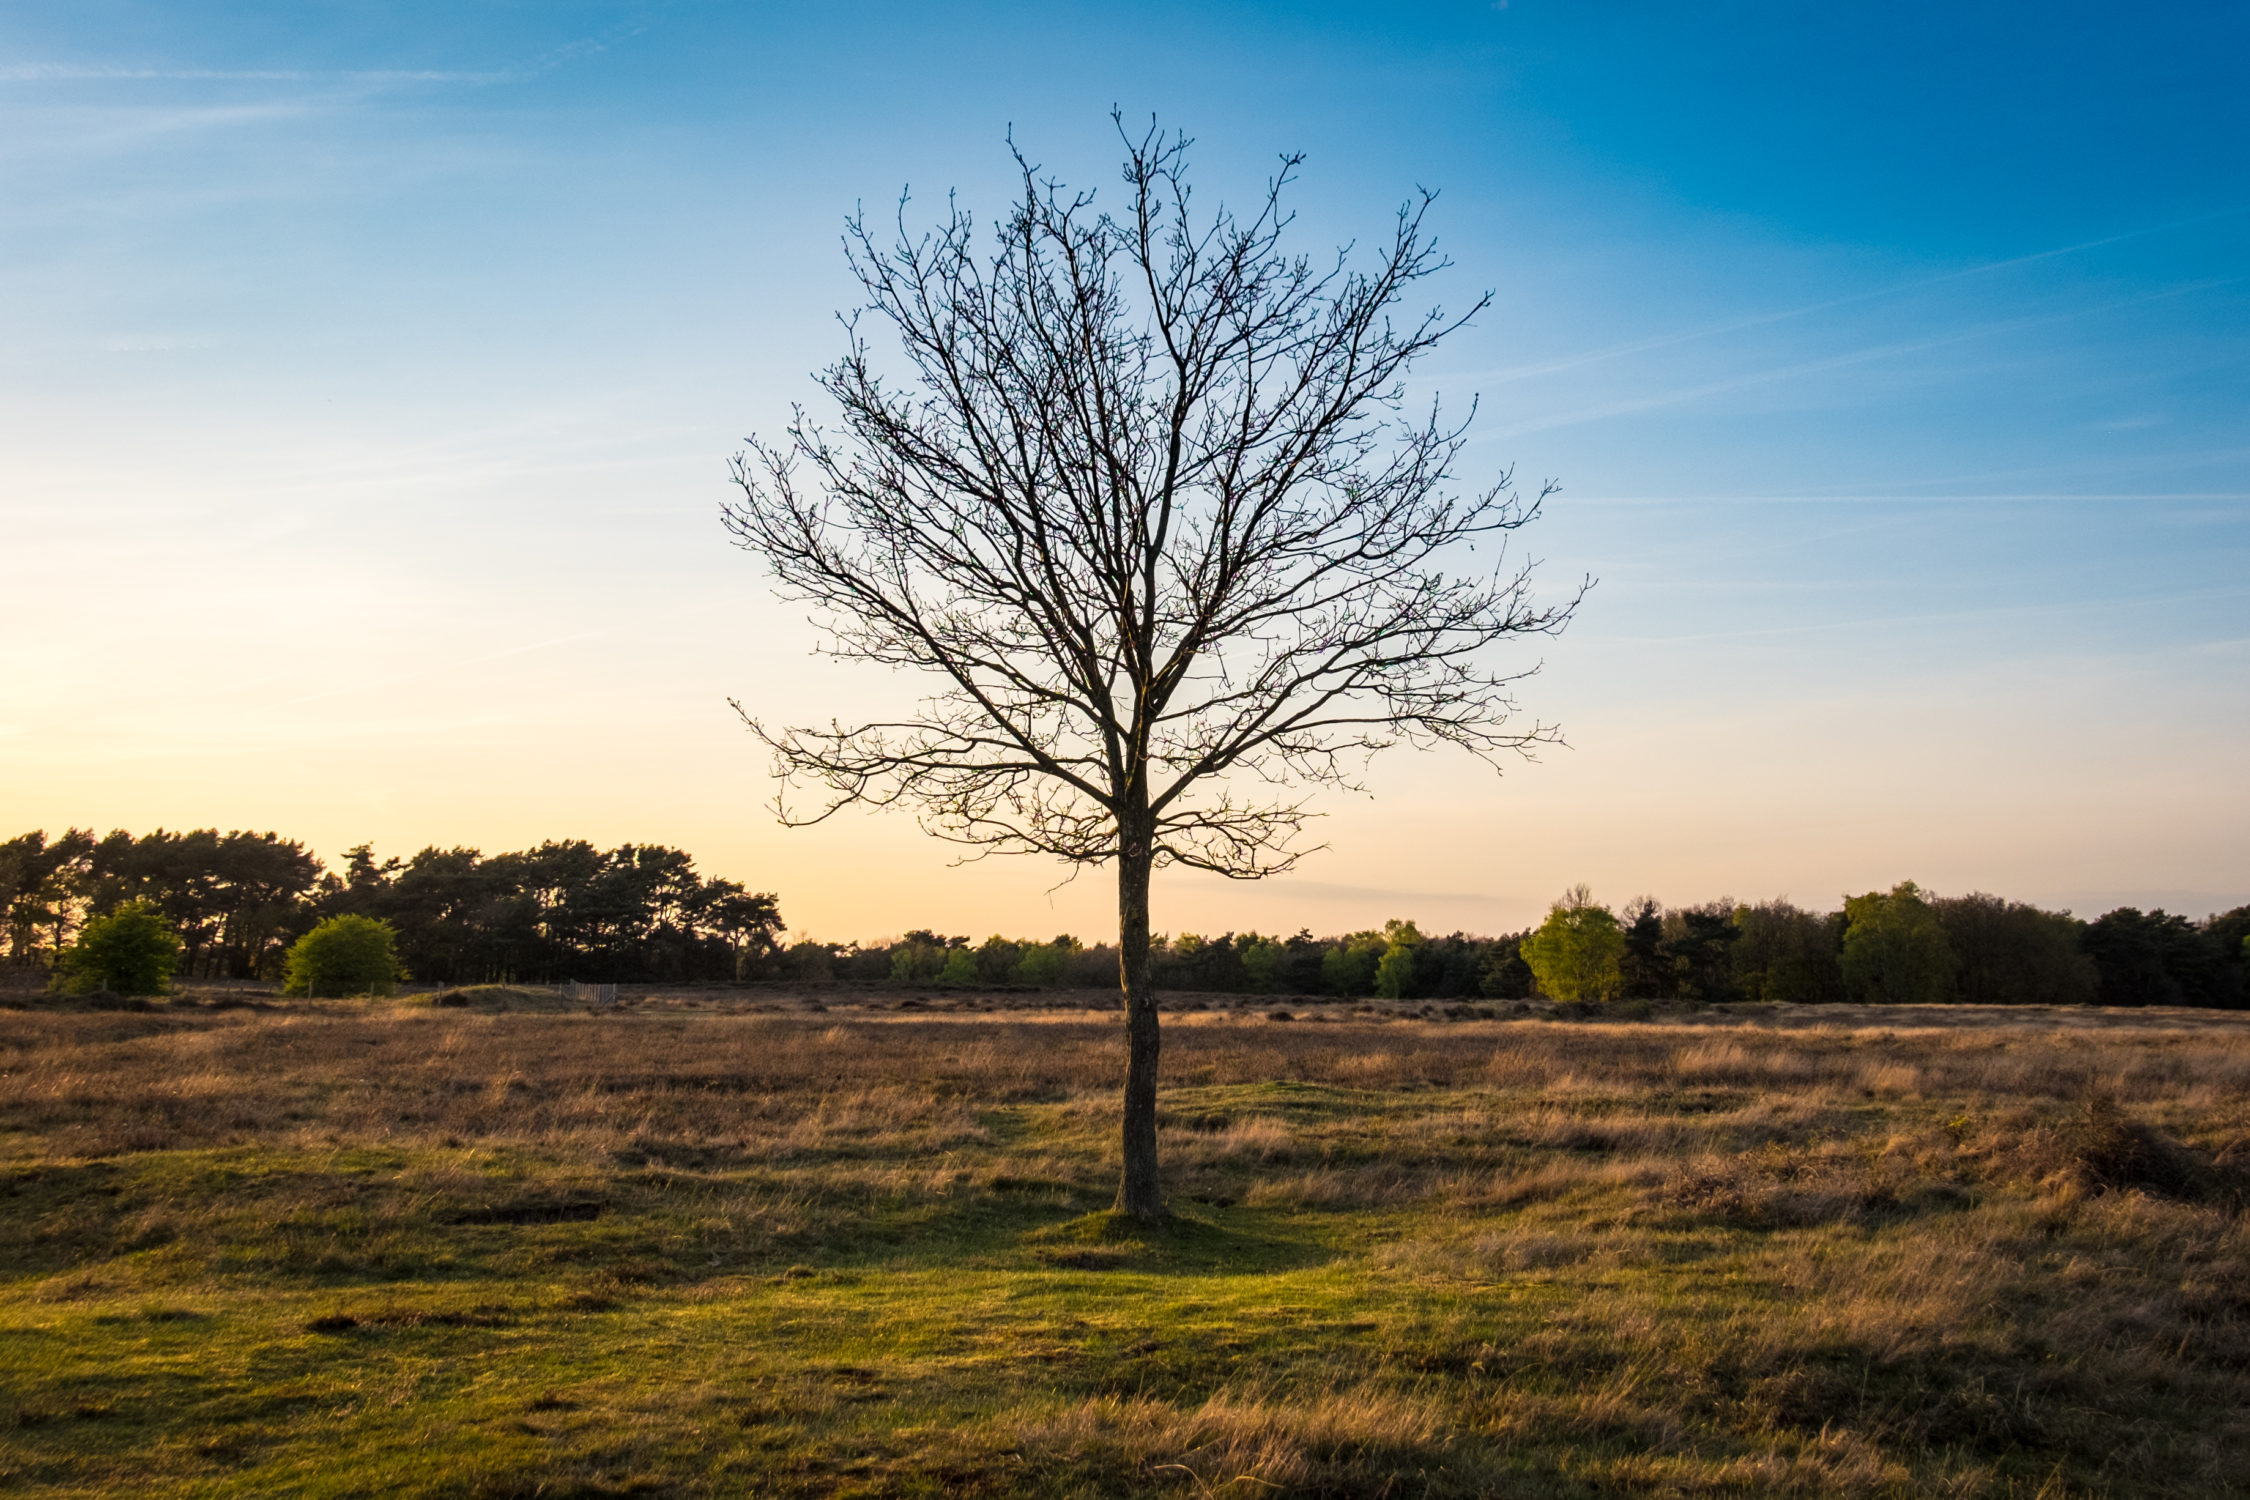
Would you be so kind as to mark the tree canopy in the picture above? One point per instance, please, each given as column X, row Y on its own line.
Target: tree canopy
column 1150, row 515
column 236, row 901
column 1895, row 948
column 1576, row 951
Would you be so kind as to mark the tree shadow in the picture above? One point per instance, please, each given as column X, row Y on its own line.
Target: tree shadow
column 1021, row 1225
column 1205, row 1242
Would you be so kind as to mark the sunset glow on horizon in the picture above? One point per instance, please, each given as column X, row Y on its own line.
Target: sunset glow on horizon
column 371, row 378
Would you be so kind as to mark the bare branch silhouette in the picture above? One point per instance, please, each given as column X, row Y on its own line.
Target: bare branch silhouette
column 1154, row 517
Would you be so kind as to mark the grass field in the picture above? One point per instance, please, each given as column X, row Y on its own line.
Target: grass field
column 505, row 1248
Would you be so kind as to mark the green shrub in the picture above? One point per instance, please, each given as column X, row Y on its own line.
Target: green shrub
column 1041, row 964
column 1576, row 950
column 344, row 956
column 960, row 967
column 1394, row 971
column 129, row 952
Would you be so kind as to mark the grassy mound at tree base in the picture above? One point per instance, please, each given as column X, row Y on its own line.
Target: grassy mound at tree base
column 355, row 1249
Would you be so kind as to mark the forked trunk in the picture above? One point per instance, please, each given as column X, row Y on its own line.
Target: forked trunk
column 1137, row 1191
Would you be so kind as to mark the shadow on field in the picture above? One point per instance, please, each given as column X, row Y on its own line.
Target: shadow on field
column 398, row 1247
column 1184, row 1243
column 1015, row 1223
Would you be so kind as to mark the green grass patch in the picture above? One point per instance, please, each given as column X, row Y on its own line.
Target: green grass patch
column 384, row 1251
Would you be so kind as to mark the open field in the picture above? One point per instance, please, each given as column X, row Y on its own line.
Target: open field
column 712, row 1244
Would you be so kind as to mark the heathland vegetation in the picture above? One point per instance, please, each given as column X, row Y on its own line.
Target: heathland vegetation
column 238, row 905
column 718, row 1243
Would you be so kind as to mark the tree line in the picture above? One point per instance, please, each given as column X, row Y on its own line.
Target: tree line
column 638, row 913
column 1901, row 946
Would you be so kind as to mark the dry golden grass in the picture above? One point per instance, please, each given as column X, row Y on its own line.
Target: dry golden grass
column 723, row 1249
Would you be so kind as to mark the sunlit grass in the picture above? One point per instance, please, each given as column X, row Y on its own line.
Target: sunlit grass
column 406, row 1249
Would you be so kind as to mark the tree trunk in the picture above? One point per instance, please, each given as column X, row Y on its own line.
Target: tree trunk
column 1137, row 1191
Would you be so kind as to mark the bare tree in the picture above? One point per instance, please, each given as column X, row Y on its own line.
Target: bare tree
column 1152, row 514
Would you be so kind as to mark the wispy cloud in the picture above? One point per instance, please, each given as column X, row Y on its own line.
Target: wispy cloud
column 1783, row 315
column 360, row 687
column 154, row 343
column 105, row 72
column 1799, row 370
column 542, row 62
column 2106, row 607
column 569, row 52
column 2041, row 497
column 1324, row 890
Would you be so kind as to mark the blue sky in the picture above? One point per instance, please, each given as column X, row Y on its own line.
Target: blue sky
column 368, row 372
